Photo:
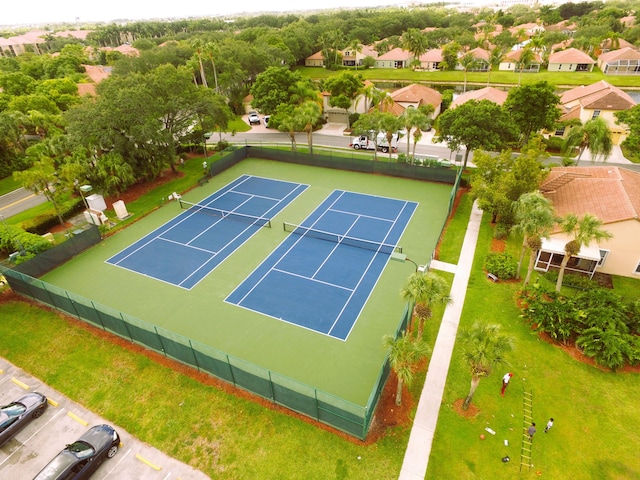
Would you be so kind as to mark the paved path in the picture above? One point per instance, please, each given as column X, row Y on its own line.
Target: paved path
column 416, row 457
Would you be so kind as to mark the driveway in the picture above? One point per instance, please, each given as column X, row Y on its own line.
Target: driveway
column 62, row 423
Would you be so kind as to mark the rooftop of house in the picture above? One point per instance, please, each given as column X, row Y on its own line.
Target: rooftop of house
column 419, row 94
column 487, row 93
column 600, row 95
column 625, row 53
column 570, row 55
column 610, row 193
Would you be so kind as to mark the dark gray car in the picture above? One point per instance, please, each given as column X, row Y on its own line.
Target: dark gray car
column 82, row 458
column 17, row 415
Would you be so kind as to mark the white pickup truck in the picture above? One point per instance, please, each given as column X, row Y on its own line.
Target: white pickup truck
column 363, row 142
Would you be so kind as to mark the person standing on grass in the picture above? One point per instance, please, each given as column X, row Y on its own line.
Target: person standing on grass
column 549, row 425
column 531, row 430
column 505, row 382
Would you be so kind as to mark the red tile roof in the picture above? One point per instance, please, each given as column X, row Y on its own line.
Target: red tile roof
column 487, row 93
column 600, row 95
column 416, row 93
column 610, row 193
column 570, row 55
column 625, row 53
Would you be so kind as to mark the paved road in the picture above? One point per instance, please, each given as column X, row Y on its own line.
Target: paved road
column 18, row 201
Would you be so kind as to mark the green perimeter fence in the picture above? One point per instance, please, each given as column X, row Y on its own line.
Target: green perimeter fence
column 293, row 394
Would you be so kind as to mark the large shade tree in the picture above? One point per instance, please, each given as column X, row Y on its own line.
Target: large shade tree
column 533, row 107
column 581, row 231
column 344, row 89
column 477, row 125
column 484, row 348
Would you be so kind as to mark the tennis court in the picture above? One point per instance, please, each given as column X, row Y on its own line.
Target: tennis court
column 322, row 274
column 187, row 248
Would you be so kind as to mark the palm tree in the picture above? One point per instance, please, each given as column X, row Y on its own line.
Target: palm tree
column 485, row 347
column 390, row 125
column 199, row 47
column 582, row 232
column 534, row 219
column 468, row 61
column 415, row 42
column 356, row 46
column 210, row 49
column 308, row 114
column 414, row 118
column 526, row 57
column 495, row 57
column 594, row 135
column 290, row 124
column 422, row 291
column 404, row 355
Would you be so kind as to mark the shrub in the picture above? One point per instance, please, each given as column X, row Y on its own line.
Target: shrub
column 501, row 231
column 574, row 280
column 501, row 264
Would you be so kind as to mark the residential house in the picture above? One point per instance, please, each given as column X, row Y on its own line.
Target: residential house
column 124, row 49
column 481, row 58
column 511, row 60
column 361, row 104
column 599, row 99
column 353, row 58
column 396, row 58
column 570, row 60
column 609, row 44
column 611, row 194
column 487, row 93
column 566, row 27
column 431, row 60
column 96, row 74
column 413, row 96
column 315, row 60
column 625, row 61
column 32, row 41
column 528, row 29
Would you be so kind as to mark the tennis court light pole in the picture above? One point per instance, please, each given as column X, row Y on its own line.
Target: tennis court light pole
column 86, row 189
column 409, row 260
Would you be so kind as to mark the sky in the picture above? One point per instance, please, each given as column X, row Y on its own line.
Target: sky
column 36, row 12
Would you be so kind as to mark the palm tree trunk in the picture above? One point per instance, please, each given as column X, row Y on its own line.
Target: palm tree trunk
column 522, row 252
column 399, row 393
column 532, row 262
column 563, row 265
column 475, row 381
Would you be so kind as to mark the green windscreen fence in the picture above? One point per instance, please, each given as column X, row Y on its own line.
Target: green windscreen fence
column 293, row 394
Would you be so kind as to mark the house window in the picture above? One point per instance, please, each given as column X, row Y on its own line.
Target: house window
column 603, row 256
column 596, row 114
column 637, row 270
column 560, row 132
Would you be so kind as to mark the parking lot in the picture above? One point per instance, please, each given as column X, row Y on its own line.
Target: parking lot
column 62, row 423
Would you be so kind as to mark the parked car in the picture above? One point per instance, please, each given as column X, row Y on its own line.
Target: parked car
column 82, row 458
column 254, row 118
column 266, row 120
column 17, row 415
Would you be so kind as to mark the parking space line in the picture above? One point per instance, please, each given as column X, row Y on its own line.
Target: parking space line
column 53, row 403
column 77, row 418
column 119, row 462
column 144, row 460
column 20, row 384
column 168, row 475
column 34, row 434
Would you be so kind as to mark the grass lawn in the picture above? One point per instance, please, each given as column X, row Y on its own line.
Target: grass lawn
column 7, row 185
column 405, row 76
column 595, row 412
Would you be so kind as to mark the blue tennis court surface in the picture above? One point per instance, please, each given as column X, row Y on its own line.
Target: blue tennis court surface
column 187, row 248
column 322, row 274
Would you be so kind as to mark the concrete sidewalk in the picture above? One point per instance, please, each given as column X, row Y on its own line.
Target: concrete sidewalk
column 416, row 458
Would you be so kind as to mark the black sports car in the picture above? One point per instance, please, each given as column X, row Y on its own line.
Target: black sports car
column 83, row 457
column 15, row 416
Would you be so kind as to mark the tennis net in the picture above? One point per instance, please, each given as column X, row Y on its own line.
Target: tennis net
column 218, row 213
column 341, row 239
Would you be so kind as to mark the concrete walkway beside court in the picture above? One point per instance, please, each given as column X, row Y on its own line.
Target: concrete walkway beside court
column 416, row 458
